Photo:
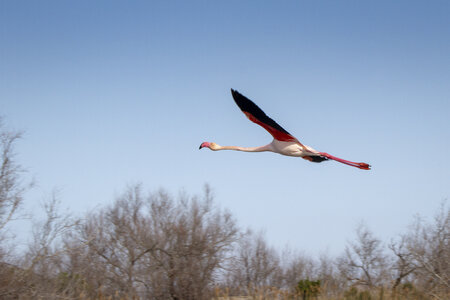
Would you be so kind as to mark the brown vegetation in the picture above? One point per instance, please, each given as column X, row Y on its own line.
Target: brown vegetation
column 158, row 247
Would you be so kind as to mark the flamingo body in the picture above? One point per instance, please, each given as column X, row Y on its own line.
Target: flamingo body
column 283, row 142
column 292, row 149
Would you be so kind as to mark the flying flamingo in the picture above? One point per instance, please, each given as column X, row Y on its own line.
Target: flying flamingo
column 283, row 142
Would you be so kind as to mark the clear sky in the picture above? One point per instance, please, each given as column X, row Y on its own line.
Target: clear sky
column 111, row 93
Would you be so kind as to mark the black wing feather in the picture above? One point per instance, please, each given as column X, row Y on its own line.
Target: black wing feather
column 247, row 105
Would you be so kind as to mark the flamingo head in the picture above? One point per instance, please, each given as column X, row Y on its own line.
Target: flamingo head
column 212, row 146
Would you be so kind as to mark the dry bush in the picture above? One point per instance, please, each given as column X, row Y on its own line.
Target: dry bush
column 12, row 188
column 428, row 247
column 154, row 247
column 364, row 262
column 255, row 267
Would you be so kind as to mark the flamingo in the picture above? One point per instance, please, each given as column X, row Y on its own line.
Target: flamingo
column 283, row 142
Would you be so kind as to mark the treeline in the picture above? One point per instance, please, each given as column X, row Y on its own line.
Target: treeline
column 157, row 246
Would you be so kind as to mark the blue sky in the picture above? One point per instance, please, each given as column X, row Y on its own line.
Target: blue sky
column 111, row 93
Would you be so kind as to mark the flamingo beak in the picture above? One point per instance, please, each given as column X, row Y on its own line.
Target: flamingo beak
column 204, row 144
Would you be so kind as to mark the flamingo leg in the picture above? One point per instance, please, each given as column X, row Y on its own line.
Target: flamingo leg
column 360, row 165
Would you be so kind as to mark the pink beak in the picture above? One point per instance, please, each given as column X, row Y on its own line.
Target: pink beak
column 204, row 144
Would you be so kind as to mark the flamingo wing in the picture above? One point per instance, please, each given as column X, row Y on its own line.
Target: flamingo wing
column 256, row 115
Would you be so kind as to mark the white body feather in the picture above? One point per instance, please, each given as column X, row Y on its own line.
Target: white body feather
column 291, row 149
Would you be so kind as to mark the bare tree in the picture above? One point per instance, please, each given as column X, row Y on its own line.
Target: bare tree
column 44, row 258
column 428, row 245
column 155, row 247
column 296, row 266
column 327, row 272
column 34, row 273
column 256, row 267
column 403, row 264
column 12, row 189
column 194, row 239
column 12, row 184
column 116, row 240
column 364, row 262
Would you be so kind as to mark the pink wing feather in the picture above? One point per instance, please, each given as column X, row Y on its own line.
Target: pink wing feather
column 256, row 115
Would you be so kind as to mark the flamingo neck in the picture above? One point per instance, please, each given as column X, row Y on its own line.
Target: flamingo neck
column 244, row 149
